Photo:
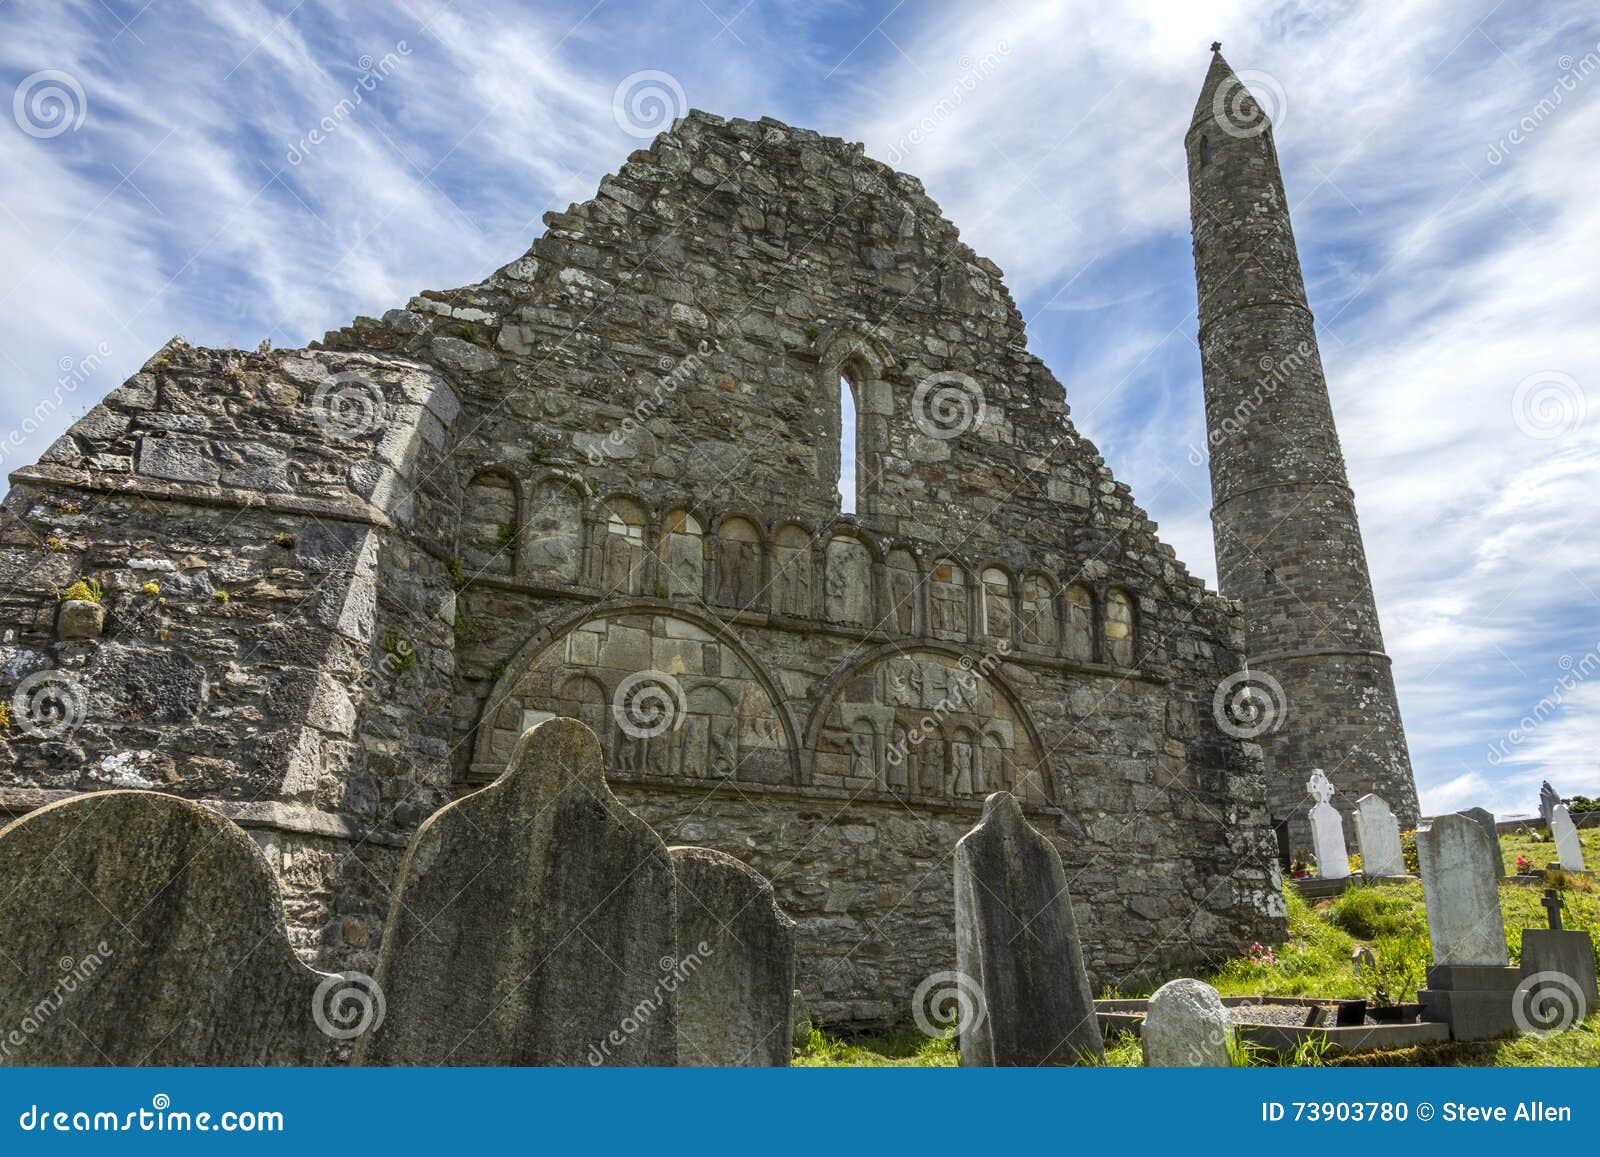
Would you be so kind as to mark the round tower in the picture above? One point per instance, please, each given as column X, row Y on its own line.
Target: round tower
column 1320, row 694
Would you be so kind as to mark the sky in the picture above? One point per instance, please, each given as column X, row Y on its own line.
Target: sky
column 158, row 176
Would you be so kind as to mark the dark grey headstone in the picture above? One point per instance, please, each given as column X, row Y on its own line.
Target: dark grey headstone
column 1484, row 818
column 142, row 929
column 1559, row 974
column 1017, row 942
column 736, row 954
column 534, row 924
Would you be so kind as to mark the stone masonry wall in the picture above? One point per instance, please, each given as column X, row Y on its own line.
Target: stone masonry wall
column 608, row 470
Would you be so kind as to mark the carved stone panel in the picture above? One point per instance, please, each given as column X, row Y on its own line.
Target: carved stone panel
column 791, row 572
column 667, row 697
column 849, row 582
column 925, row 724
column 903, row 613
column 553, row 540
column 997, row 604
column 738, row 564
column 1038, row 619
column 947, row 600
column 1080, row 623
column 683, row 556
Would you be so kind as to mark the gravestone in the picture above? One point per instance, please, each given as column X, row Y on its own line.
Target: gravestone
column 1186, row 1025
column 1327, row 829
column 737, row 948
column 799, row 1021
column 1379, row 834
column 1470, row 983
column 1562, row 830
column 1484, row 818
column 142, row 929
column 1558, row 986
column 535, row 923
column 1017, row 942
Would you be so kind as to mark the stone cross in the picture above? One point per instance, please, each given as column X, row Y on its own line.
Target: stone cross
column 1327, row 829
column 1552, row 905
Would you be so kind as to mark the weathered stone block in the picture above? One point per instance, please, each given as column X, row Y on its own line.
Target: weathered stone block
column 1017, row 941
column 737, row 948
column 534, row 924
column 142, row 929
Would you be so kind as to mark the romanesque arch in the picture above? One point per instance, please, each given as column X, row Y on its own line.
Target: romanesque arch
column 927, row 723
column 671, row 691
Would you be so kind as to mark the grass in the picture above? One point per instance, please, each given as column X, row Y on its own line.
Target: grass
column 1316, row 960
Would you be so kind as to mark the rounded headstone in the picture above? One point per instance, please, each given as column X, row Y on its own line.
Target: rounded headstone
column 1186, row 1026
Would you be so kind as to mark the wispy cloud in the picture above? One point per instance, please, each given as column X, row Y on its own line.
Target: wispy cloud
column 1447, row 262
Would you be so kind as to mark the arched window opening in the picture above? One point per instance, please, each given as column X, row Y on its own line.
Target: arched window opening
column 847, row 446
column 1205, row 150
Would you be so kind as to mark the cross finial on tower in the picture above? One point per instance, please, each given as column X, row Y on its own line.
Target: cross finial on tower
column 1216, row 46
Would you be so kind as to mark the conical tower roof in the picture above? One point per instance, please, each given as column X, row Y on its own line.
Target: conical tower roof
column 1221, row 95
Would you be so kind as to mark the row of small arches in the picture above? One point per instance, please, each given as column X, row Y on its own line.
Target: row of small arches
column 555, row 531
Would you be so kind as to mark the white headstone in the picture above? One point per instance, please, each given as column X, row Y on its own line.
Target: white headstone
column 1462, row 892
column 1327, row 829
column 1379, row 835
column 1565, row 833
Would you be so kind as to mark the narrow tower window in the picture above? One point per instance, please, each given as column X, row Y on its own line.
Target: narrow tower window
column 1205, row 150
column 847, row 446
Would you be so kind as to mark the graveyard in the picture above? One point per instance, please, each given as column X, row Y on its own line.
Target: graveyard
column 1316, row 961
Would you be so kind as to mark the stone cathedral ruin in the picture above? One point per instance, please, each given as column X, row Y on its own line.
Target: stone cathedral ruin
column 324, row 591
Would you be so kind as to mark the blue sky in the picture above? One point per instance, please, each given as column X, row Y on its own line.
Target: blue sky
column 1439, row 159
